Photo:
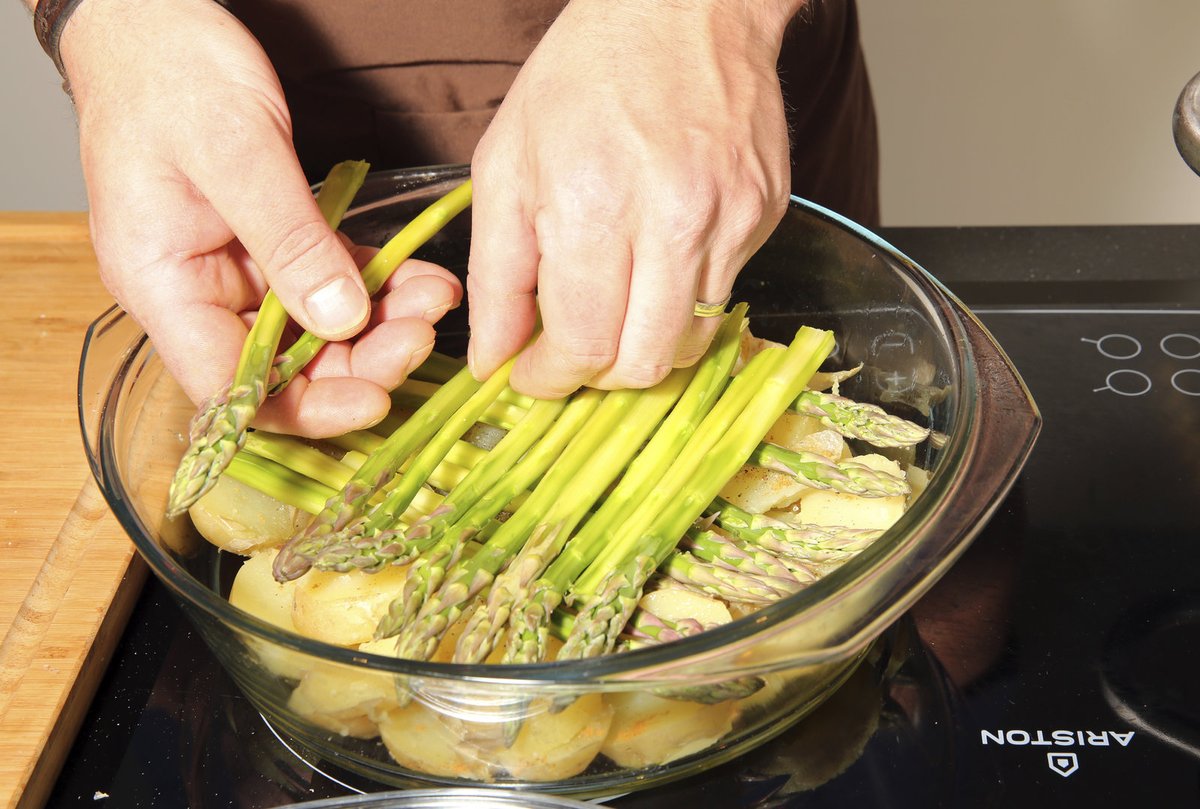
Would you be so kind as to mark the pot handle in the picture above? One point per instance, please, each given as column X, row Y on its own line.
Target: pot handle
column 1186, row 123
column 1008, row 419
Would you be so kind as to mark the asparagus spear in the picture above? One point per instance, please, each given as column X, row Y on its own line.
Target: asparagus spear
column 529, row 622
column 819, row 472
column 422, row 228
column 429, row 569
column 647, row 629
column 218, row 429
column 866, row 422
column 708, row 461
column 352, row 501
column 752, row 560
column 727, row 582
column 812, row 543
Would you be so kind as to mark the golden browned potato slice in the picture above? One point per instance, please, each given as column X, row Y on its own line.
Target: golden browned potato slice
column 647, row 730
column 344, row 608
column 417, row 739
column 555, row 745
column 243, row 520
column 255, row 591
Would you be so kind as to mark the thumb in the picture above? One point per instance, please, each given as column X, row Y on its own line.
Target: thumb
column 265, row 199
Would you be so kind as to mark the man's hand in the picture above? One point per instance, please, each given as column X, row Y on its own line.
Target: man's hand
column 639, row 160
column 198, row 203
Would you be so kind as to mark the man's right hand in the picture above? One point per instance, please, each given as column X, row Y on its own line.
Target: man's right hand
column 198, row 203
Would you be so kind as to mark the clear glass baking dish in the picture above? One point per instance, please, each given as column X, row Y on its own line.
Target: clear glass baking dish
column 924, row 355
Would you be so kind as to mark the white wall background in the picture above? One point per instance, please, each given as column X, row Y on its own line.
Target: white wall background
column 1032, row 111
column 1020, row 112
column 39, row 153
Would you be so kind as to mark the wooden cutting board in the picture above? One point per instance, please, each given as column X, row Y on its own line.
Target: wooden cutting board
column 69, row 575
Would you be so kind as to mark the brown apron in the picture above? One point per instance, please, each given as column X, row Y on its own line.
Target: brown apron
column 415, row 82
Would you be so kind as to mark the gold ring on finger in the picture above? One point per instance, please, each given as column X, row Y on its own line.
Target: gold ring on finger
column 702, row 309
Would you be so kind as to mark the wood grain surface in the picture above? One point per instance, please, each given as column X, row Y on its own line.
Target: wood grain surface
column 69, row 576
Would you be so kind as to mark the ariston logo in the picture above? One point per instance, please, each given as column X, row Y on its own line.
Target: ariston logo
column 1056, row 738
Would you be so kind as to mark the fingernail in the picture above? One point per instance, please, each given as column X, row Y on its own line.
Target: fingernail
column 337, row 307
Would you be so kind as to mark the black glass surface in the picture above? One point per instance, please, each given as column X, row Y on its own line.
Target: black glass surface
column 1053, row 666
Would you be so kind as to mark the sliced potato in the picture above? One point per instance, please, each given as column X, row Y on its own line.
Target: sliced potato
column 792, row 428
column 344, row 608
column 417, row 739
column 851, row 511
column 756, row 489
column 256, row 592
column 918, row 480
column 675, row 604
column 647, row 730
column 344, row 700
column 243, row 520
column 555, row 745
column 827, row 443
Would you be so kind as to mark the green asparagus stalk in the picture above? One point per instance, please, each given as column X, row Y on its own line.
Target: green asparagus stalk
column 427, row 571
column 276, row 480
column 488, row 472
column 811, row 543
column 749, row 407
column 599, row 622
column 647, row 629
column 528, row 631
column 817, row 471
column 731, row 584
column 218, row 429
column 709, row 546
column 376, row 272
column 866, row 422
column 381, row 466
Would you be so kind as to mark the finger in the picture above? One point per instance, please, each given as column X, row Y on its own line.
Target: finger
column 713, row 287
column 657, row 316
column 502, row 275
column 199, row 343
column 255, row 183
column 418, row 289
column 389, row 352
column 324, row 407
column 696, row 340
column 582, row 311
